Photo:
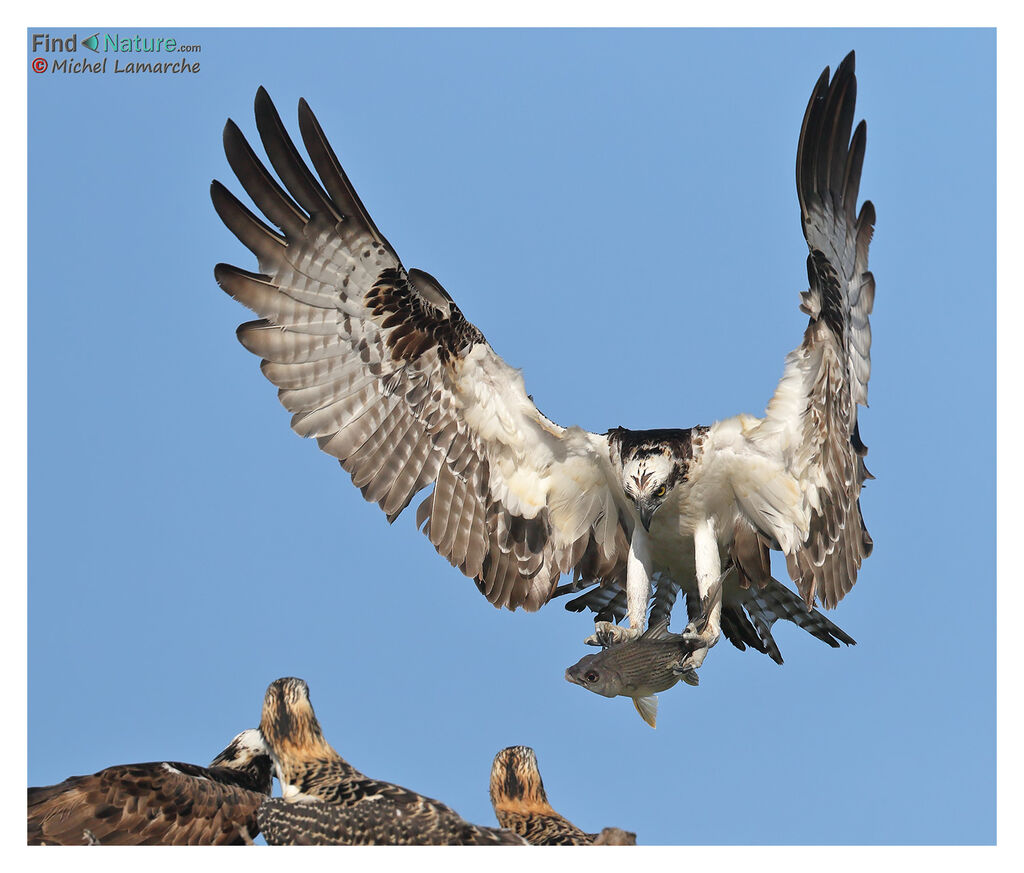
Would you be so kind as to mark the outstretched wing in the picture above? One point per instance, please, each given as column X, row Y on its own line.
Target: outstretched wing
column 143, row 804
column 380, row 366
column 812, row 418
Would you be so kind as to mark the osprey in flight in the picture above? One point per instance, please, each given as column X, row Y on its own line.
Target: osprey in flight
column 378, row 363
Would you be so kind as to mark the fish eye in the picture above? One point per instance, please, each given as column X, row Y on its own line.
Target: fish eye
column 591, row 676
column 660, row 492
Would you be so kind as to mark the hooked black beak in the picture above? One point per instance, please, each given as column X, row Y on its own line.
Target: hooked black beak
column 646, row 514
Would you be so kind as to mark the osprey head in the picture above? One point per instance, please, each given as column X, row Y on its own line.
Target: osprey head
column 249, row 754
column 651, row 463
column 288, row 723
column 647, row 481
column 242, row 751
column 515, row 780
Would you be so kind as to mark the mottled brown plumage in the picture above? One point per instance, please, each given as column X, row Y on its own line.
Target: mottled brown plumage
column 318, row 823
column 335, row 804
column 157, row 803
column 521, row 805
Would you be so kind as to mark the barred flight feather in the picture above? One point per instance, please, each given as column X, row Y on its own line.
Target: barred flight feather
column 826, row 378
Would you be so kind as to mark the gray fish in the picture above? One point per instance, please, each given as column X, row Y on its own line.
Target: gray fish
column 636, row 668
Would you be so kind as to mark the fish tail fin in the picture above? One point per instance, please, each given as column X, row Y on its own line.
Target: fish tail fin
column 648, row 708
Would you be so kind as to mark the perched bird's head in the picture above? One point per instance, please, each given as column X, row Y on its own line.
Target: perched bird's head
column 595, row 674
column 651, row 463
column 516, row 782
column 288, row 723
column 248, row 752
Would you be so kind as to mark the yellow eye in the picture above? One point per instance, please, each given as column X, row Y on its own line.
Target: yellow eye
column 660, row 492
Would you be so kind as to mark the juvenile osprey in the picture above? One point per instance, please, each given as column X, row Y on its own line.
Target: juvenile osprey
column 317, row 823
column 379, row 365
column 521, row 805
column 158, row 803
column 335, row 804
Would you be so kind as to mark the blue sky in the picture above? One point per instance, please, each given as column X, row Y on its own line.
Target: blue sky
column 616, row 211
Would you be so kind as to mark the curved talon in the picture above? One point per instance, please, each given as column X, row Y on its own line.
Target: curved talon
column 607, row 634
column 690, row 663
column 686, row 669
column 601, row 638
column 704, row 639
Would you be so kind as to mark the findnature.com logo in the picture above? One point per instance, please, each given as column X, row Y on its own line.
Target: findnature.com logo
column 144, row 54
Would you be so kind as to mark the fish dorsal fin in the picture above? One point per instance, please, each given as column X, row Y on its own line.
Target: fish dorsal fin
column 648, row 708
column 657, row 631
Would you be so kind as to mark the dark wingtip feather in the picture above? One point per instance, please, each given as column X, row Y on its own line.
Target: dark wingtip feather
column 230, row 133
column 854, row 166
column 809, row 130
column 247, row 227
column 827, row 161
column 332, row 174
column 262, row 98
column 220, row 272
column 264, row 190
column 867, row 214
column 287, row 162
